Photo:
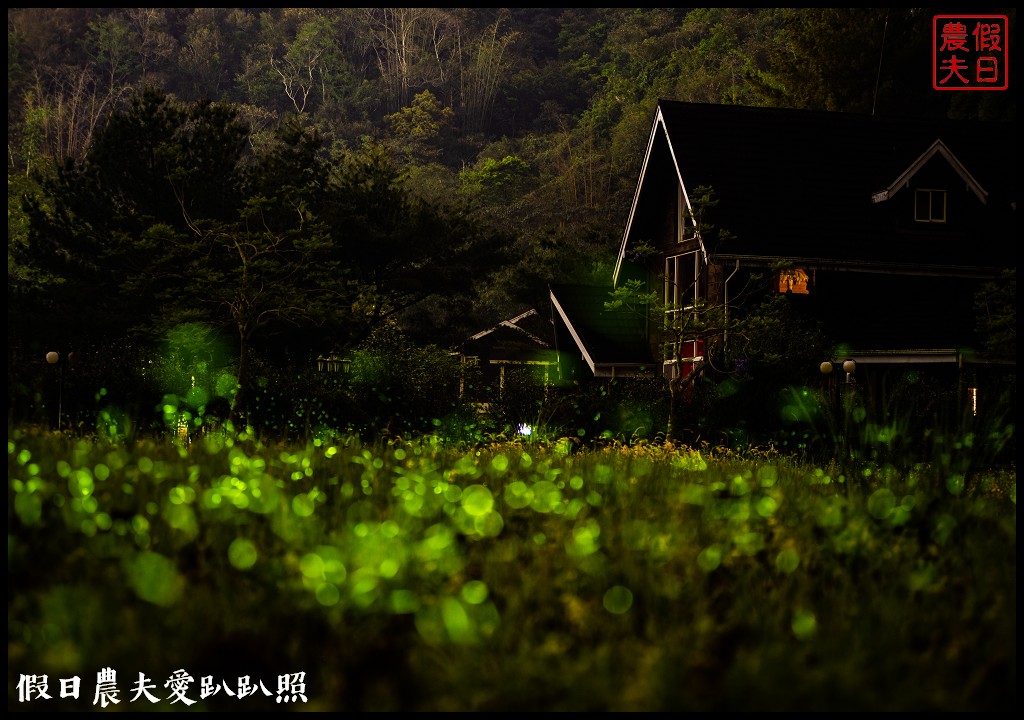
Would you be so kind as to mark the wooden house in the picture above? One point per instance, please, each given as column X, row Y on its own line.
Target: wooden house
column 884, row 228
column 521, row 344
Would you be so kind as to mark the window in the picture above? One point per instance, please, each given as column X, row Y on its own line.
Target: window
column 681, row 288
column 794, row 280
column 930, row 206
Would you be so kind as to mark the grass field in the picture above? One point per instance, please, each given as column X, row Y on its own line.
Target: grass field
column 517, row 576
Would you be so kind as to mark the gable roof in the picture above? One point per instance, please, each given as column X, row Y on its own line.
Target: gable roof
column 799, row 184
column 515, row 325
column 613, row 343
column 937, row 148
column 523, row 339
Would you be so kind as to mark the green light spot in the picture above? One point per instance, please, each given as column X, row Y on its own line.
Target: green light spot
column 452, row 493
column 767, row 506
column 518, row 494
column 477, row 500
column 155, row 579
column 488, row 525
column 80, row 484
column 302, row 506
column 955, row 484
column 804, row 624
column 740, row 486
column 242, row 553
column 364, row 587
column 474, row 592
column 182, row 517
column 312, row 565
column 327, row 594
column 618, row 600
column 710, row 558
column 881, row 503
column 749, row 543
column 403, row 602
column 29, row 508
column 787, row 561
column 457, row 623
column 388, row 568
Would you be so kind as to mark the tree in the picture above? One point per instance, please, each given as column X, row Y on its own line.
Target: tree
column 163, row 224
column 304, row 65
column 272, row 264
column 484, row 67
column 996, row 305
column 113, row 44
column 413, row 48
column 680, row 333
column 419, row 131
column 401, row 249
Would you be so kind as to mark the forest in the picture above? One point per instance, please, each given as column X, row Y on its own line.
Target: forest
column 431, row 170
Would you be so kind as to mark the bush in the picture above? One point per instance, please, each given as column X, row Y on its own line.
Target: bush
column 401, row 389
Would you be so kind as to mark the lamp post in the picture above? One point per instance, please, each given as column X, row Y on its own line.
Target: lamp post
column 848, row 366
column 53, row 358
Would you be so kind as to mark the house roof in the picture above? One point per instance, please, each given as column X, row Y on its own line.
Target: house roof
column 527, row 337
column 802, row 184
column 937, row 148
column 514, row 325
column 612, row 342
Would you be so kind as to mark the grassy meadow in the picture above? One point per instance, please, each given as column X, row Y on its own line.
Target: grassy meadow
column 509, row 576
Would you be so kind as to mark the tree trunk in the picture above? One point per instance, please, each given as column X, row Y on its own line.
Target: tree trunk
column 675, row 390
column 239, row 416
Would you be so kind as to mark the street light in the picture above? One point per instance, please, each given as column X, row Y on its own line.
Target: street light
column 332, row 363
column 53, row 358
column 849, row 366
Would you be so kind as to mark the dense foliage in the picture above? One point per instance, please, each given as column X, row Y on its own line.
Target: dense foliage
column 517, row 576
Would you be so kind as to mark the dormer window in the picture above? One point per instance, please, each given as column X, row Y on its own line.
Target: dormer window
column 930, row 206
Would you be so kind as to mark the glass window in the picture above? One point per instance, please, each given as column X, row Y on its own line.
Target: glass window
column 930, row 206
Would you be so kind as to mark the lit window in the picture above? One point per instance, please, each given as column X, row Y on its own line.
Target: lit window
column 930, row 206
column 794, row 280
column 972, row 399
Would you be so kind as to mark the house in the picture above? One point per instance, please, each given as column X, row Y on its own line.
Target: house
column 518, row 344
column 884, row 228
